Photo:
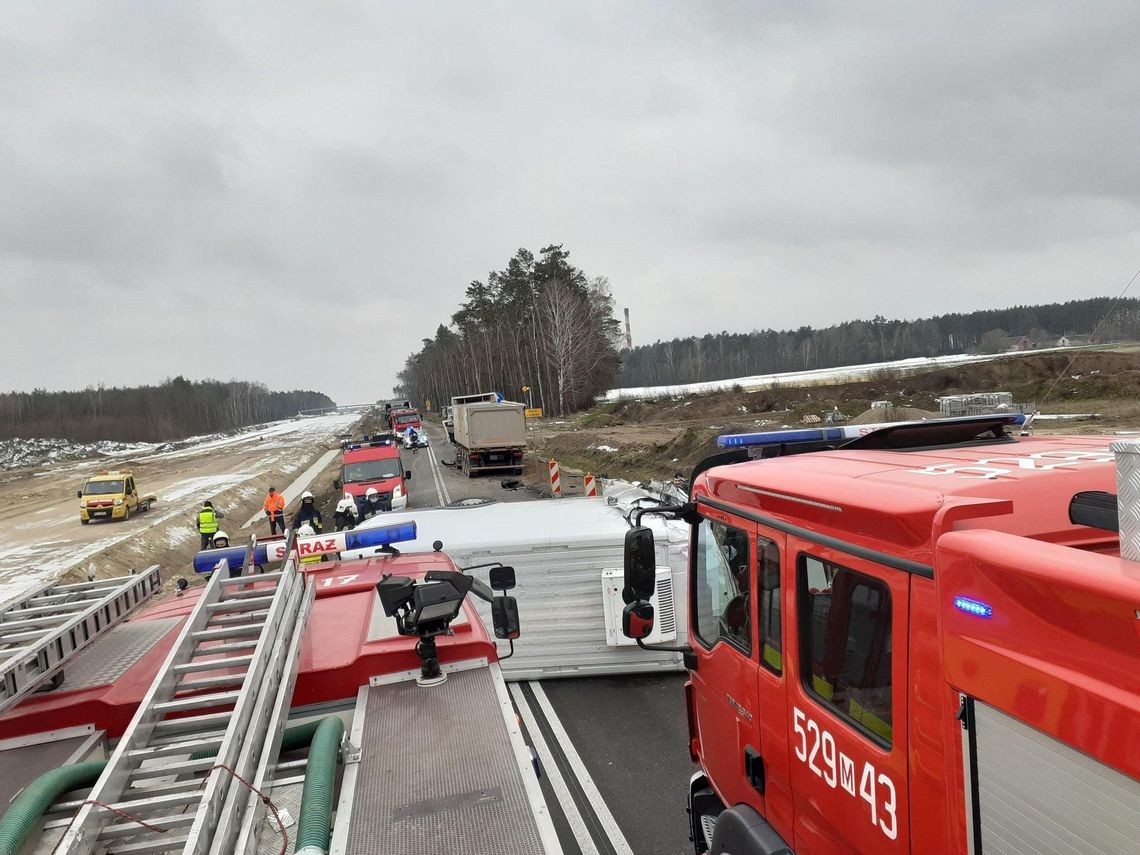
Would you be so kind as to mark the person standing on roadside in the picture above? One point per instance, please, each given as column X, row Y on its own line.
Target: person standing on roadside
column 275, row 510
column 208, row 523
column 308, row 514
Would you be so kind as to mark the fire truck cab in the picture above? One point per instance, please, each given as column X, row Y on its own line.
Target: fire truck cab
column 924, row 639
column 399, row 420
column 375, row 464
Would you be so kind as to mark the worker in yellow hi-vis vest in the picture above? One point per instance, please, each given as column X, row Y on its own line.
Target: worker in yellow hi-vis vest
column 208, row 522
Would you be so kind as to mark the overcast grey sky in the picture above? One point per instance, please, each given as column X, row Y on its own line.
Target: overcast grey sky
column 299, row 193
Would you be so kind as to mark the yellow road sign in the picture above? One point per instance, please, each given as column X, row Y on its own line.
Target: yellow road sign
column 536, row 413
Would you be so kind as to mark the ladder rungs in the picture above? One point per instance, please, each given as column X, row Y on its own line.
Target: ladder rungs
column 181, row 767
column 129, row 829
column 154, row 844
column 197, row 702
column 238, row 581
column 186, row 739
column 36, row 620
column 181, row 746
column 99, row 585
column 240, row 604
column 212, row 682
column 191, row 723
column 213, row 664
column 230, row 647
column 243, row 631
column 253, row 594
column 27, row 635
column 71, row 606
column 238, row 619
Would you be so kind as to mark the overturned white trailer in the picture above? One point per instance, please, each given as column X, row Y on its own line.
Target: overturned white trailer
column 568, row 559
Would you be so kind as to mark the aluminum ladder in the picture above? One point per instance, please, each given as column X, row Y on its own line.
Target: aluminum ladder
column 43, row 629
column 214, row 712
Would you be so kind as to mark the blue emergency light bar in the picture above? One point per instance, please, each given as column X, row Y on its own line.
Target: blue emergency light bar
column 361, row 538
column 836, row 434
column 779, row 437
column 973, row 607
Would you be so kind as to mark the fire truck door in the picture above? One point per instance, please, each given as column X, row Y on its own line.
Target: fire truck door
column 722, row 610
column 847, row 702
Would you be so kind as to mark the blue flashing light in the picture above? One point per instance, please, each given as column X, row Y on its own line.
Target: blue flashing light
column 835, row 434
column 383, row 535
column 361, row 538
column 780, row 437
column 973, row 607
column 206, row 560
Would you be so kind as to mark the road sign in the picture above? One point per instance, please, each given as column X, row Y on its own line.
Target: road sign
column 536, row 413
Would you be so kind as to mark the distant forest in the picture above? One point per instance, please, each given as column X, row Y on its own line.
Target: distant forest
column 174, row 410
column 539, row 322
column 724, row 355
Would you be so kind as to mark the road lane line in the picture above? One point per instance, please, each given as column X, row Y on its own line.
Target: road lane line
column 441, row 488
column 601, row 809
column 297, row 487
column 553, row 774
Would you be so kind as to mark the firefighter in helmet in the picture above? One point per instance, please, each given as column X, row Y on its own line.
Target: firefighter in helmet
column 308, row 514
column 306, row 530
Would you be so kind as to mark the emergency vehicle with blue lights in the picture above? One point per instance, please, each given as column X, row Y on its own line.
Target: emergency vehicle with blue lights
column 911, row 638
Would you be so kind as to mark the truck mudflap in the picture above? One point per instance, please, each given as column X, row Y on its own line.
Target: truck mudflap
column 738, row 830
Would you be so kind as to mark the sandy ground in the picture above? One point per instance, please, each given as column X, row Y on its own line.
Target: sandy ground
column 41, row 537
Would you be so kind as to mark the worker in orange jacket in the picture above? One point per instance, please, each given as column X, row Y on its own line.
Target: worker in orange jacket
column 275, row 510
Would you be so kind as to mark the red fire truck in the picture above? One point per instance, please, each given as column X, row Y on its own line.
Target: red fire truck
column 923, row 639
column 399, row 420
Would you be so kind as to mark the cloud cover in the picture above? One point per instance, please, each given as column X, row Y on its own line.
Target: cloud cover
column 298, row 193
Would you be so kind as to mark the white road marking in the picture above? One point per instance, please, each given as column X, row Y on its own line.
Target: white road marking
column 554, row 774
column 609, row 824
column 297, row 487
column 437, row 475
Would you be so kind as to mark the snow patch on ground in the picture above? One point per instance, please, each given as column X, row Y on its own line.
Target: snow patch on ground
column 814, row 377
column 607, row 448
column 16, row 453
column 179, row 534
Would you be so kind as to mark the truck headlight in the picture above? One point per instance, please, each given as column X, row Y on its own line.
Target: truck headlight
column 118, row 501
column 397, row 492
column 82, row 503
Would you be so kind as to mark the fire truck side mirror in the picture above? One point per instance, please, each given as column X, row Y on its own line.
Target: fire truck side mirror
column 637, row 620
column 505, row 617
column 501, row 578
column 337, row 484
column 640, row 565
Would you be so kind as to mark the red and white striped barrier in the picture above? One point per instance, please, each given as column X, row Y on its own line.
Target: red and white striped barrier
column 555, row 480
column 589, row 485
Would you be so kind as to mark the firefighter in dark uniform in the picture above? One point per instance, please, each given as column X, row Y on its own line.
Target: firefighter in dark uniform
column 308, row 514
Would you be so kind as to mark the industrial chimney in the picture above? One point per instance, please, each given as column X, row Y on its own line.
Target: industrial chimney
column 628, row 336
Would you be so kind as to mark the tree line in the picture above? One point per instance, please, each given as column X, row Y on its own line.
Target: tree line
column 174, row 410
column 540, row 322
column 725, row 355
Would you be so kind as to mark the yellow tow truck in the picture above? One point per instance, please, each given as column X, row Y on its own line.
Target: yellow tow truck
column 113, row 496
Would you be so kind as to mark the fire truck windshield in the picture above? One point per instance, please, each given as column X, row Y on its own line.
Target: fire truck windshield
column 372, row 470
column 407, row 419
column 102, row 488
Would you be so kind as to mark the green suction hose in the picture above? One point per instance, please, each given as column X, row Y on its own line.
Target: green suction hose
column 38, row 796
column 314, row 826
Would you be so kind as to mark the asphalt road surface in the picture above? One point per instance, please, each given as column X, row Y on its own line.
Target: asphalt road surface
column 435, row 484
column 610, row 794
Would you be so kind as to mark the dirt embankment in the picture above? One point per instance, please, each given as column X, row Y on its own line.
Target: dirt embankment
column 665, row 437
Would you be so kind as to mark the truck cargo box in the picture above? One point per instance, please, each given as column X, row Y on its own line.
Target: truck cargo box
column 487, row 425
